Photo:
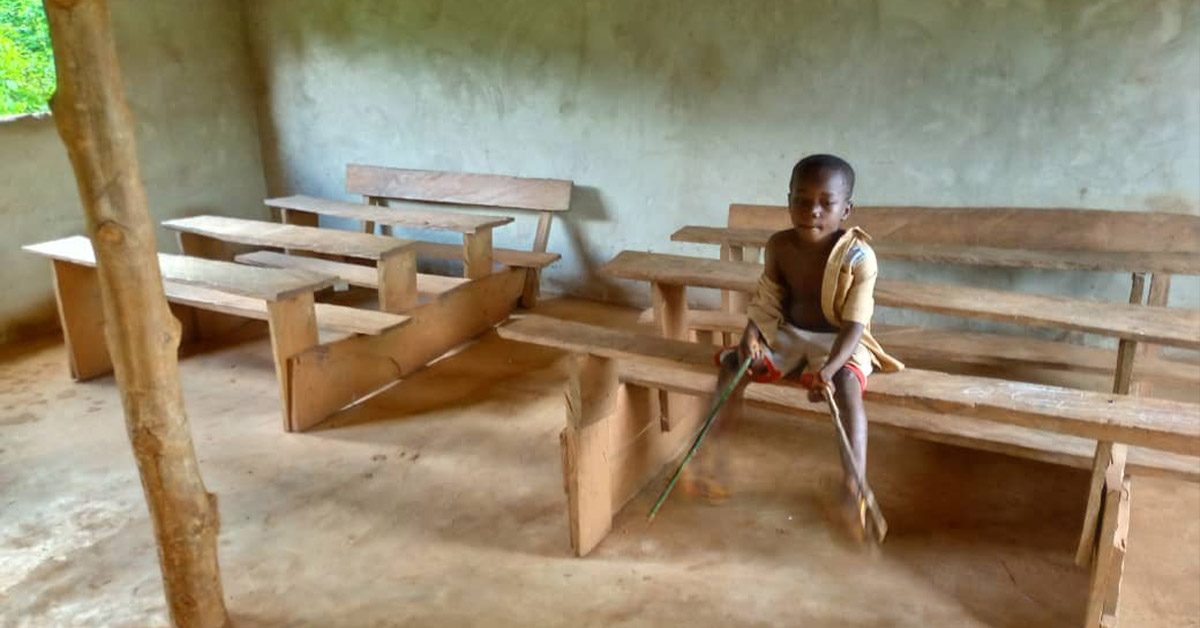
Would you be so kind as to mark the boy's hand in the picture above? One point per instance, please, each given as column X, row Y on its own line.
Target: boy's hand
column 822, row 385
column 753, row 347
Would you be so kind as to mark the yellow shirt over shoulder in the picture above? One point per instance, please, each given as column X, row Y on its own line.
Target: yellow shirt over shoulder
column 847, row 294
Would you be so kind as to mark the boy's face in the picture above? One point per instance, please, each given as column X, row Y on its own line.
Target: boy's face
column 818, row 203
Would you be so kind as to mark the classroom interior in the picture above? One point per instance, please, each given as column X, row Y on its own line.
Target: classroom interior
column 448, row 275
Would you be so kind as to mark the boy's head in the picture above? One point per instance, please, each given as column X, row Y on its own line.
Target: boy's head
column 819, row 196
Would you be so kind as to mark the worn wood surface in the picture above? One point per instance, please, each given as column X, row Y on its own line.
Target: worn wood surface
column 1108, row 261
column 260, row 233
column 1152, row 423
column 1107, row 456
column 331, row 376
column 428, row 286
column 477, row 254
column 460, row 188
column 97, row 128
column 261, row 283
column 432, row 220
column 1006, row 227
column 680, row 270
column 397, row 276
column 1109, row 546
column 505, row 257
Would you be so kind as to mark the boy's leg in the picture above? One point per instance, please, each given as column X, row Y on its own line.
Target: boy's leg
column 706, row 476
column 848, row 397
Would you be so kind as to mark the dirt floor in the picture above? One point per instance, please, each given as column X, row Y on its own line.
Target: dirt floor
column 440, row 503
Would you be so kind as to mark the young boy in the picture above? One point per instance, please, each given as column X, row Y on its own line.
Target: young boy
column 811, row 315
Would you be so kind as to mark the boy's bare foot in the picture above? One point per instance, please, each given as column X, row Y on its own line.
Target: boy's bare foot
column 854, row 514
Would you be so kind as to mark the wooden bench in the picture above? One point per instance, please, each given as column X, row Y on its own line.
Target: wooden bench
column 283, row 298
column 381, row 185
column 394, row 259
column 611, row 451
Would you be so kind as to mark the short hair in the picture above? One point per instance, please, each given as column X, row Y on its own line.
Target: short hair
column 814, row 164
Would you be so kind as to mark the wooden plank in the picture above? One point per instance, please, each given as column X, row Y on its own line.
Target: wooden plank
column 260, row 233
column 329, row 377
column 460, row 188
column 639, row 451
column 81, row 314
column 1178, row 327
column 1105, row 261
column 679, row 270
column 670, row 313
column 1006, row 227
column 330, row 317
column 1152, row 423
column 411, row 218
column 477, row 254
column 398, row 282
column 505, row 257
column 541, row 238
column 195, row 245
column 261, row 283
column 428, row 286
column 293, row 328
column 591, row 396
column 1119, row 545
column 1115, row 492
column 935, row 426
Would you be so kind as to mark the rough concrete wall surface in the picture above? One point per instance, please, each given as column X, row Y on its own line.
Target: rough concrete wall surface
column 665, row 112
column 188, row 83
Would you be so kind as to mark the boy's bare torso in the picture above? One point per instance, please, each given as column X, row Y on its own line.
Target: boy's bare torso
column 801, row 270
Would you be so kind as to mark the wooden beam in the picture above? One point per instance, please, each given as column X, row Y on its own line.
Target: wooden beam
column 591, row 397
column 1110, row 551
column 670, row 312
column 459, row 188
column 97, row 128
column 331, row 376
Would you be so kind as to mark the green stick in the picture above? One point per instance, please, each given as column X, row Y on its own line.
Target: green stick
column 722, row 397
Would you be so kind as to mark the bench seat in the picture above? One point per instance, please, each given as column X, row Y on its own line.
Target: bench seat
column 1160, row 325
column 260, row 233
column 506, row 257
column 412, row 218
column 330, row 317
column 1150, row 423
column 1108, row 261
column 428, row 285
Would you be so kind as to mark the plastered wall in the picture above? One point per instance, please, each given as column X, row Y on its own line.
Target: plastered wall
column 188, row 82
column 664, row 112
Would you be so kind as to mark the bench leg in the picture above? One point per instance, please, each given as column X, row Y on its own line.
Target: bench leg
column 300, row 219
column 293, row 325
column 1160, row 288
column 81, row 314
column 1107, row 452
column 1104, row 589
column 398, row 282
column 670, row 313
column 477, row 254
column 532, row 289
column 591, row 396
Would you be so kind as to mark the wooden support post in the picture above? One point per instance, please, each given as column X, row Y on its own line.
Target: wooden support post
column 293, row 326
column 1160, row 288
column 1107, row 569
column 398, row 282
column 533, row 276
column 97, row 128
column 670, row 314
column 477, row 254
column 81, row 314
column 732, row 301
column 298, row 218
column 1107, row 451
column 591, row 396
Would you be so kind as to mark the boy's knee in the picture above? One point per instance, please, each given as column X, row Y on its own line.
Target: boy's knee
column 846, row 380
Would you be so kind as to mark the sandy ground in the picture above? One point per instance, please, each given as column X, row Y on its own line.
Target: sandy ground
column 439, row 503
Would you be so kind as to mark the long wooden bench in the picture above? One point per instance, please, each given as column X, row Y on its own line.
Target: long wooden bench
column 611, row 451
column 394, row 258
column 283, row 298
column 428, row 286
column 380, row 185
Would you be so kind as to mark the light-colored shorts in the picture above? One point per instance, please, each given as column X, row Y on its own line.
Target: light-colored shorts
column 799, row 354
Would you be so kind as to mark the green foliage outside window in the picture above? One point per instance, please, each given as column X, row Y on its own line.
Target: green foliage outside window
column 26, row 60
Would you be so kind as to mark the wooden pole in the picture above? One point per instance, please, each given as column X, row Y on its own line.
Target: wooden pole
column 96, row 126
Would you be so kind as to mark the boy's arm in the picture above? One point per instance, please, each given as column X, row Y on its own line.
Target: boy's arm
column 843, row 347
column 753, row 340
column 856, row 313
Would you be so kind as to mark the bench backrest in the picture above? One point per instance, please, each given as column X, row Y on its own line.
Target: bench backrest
column 378, row 184
column 1007, row 227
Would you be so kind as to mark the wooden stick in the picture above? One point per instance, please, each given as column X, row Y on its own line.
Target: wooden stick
column 860, row 477
column 96, row 126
